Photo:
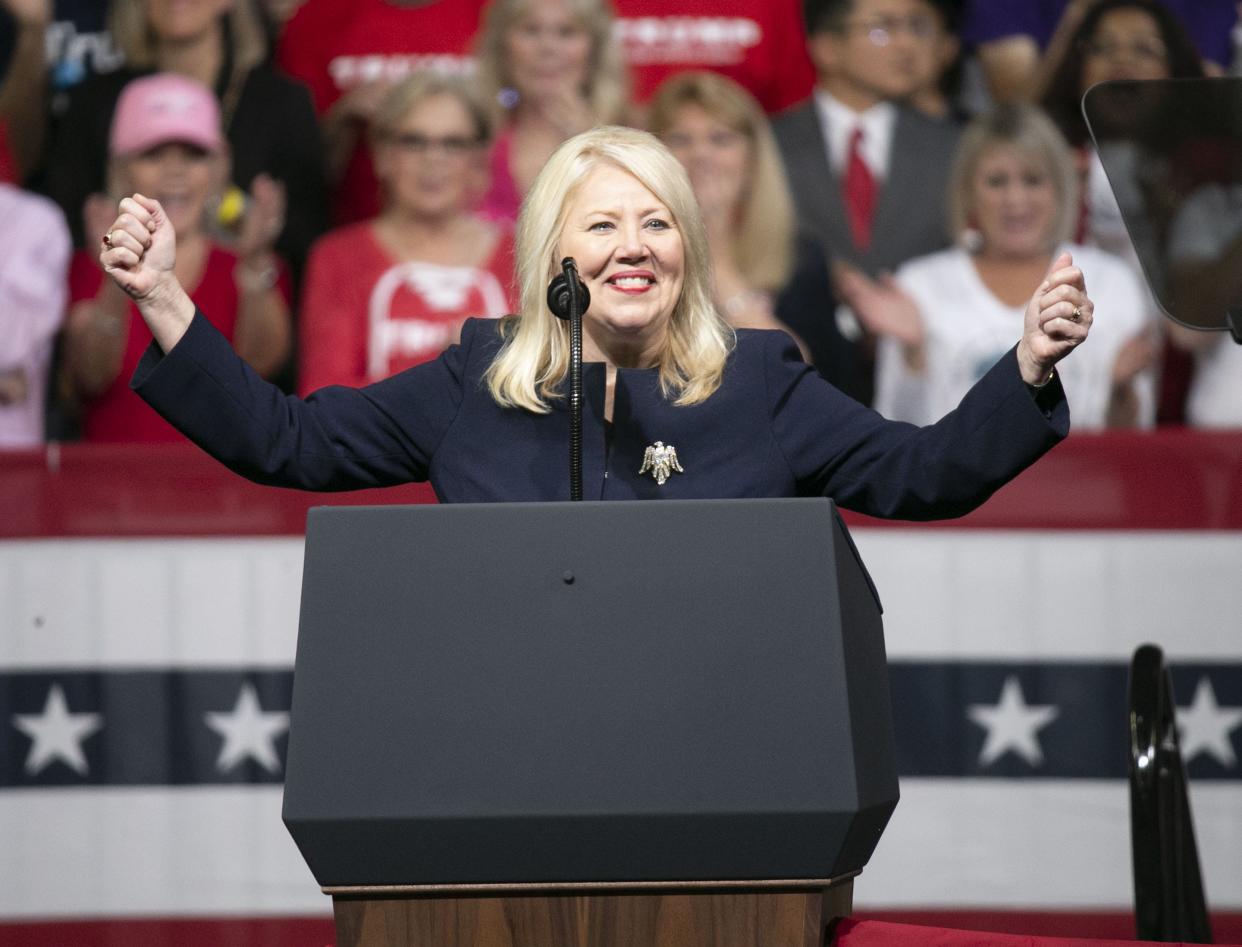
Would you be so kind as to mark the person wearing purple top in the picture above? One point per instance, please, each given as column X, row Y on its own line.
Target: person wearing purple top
column 1011, row 36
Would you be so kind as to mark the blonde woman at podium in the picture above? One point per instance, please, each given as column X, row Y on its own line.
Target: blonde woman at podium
column 677, row 405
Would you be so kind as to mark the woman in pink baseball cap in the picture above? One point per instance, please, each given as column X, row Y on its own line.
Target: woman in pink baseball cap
column 166, row 142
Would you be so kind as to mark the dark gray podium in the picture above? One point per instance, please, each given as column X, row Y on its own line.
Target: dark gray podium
column 588, row 723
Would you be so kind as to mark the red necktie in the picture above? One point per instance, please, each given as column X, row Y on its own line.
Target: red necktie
column 860, row 190
column 1083, row 225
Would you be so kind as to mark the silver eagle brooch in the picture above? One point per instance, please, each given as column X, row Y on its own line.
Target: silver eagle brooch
column 661, row 460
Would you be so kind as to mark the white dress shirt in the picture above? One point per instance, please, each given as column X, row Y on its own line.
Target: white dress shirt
column 839, row 121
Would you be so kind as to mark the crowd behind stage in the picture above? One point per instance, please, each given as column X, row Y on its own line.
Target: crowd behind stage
column 886, row 180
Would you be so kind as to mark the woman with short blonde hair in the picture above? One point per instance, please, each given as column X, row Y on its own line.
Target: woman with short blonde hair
column 392, row 291
column 1028, row 132
column 406, row 95
column 1013, row 202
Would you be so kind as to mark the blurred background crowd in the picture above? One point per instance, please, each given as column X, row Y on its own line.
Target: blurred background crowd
column 886, row 180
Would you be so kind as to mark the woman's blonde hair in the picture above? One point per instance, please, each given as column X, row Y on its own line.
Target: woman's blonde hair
column 763, row 236
column 131, row 31
column 607, row 90
column 535, row 355
column 1032, row 134
column 416, row 88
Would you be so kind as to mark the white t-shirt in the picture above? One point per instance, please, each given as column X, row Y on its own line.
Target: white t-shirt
column 1206, row 224
column 967, row 329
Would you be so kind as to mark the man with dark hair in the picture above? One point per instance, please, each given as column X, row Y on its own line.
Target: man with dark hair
column 868, row 173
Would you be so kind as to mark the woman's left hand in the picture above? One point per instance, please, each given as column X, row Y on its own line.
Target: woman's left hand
column 1057, row 321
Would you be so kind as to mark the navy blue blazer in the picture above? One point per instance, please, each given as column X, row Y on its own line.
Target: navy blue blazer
column 774, row 428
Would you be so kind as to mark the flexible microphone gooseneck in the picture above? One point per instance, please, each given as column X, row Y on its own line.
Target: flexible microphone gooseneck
column 568, row 299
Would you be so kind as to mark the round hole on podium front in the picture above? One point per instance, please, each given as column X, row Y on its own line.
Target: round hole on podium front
column 567, row 577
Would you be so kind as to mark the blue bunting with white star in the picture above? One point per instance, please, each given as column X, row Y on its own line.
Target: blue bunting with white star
column 1057, row 720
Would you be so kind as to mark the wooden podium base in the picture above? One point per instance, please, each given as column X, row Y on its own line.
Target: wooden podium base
column 663, row 914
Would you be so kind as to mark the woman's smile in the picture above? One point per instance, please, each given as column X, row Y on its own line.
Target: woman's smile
column 630, row 255
column 631, row 282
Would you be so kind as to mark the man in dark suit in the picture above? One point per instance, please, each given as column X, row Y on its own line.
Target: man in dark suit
column 867, row 172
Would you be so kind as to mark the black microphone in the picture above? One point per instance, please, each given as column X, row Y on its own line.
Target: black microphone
column 568, row 299
column 560, row 294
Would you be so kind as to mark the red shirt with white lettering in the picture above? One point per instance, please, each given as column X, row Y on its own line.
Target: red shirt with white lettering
column 367, row 315
column 759, row 44
column 334, row 46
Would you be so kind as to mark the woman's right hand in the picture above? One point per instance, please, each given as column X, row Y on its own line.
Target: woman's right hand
column 568, row 109
column 140, row 248
column 139, row 251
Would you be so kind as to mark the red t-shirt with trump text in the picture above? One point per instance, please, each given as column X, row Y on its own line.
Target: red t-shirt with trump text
column 366, row 315
column 334, row 46
column 759, row 44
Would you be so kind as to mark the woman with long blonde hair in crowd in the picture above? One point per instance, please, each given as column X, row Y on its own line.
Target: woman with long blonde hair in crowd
column 551, row 70
column 766, row 274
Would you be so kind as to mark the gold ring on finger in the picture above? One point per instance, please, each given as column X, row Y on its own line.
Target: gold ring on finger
column 1077, row 317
